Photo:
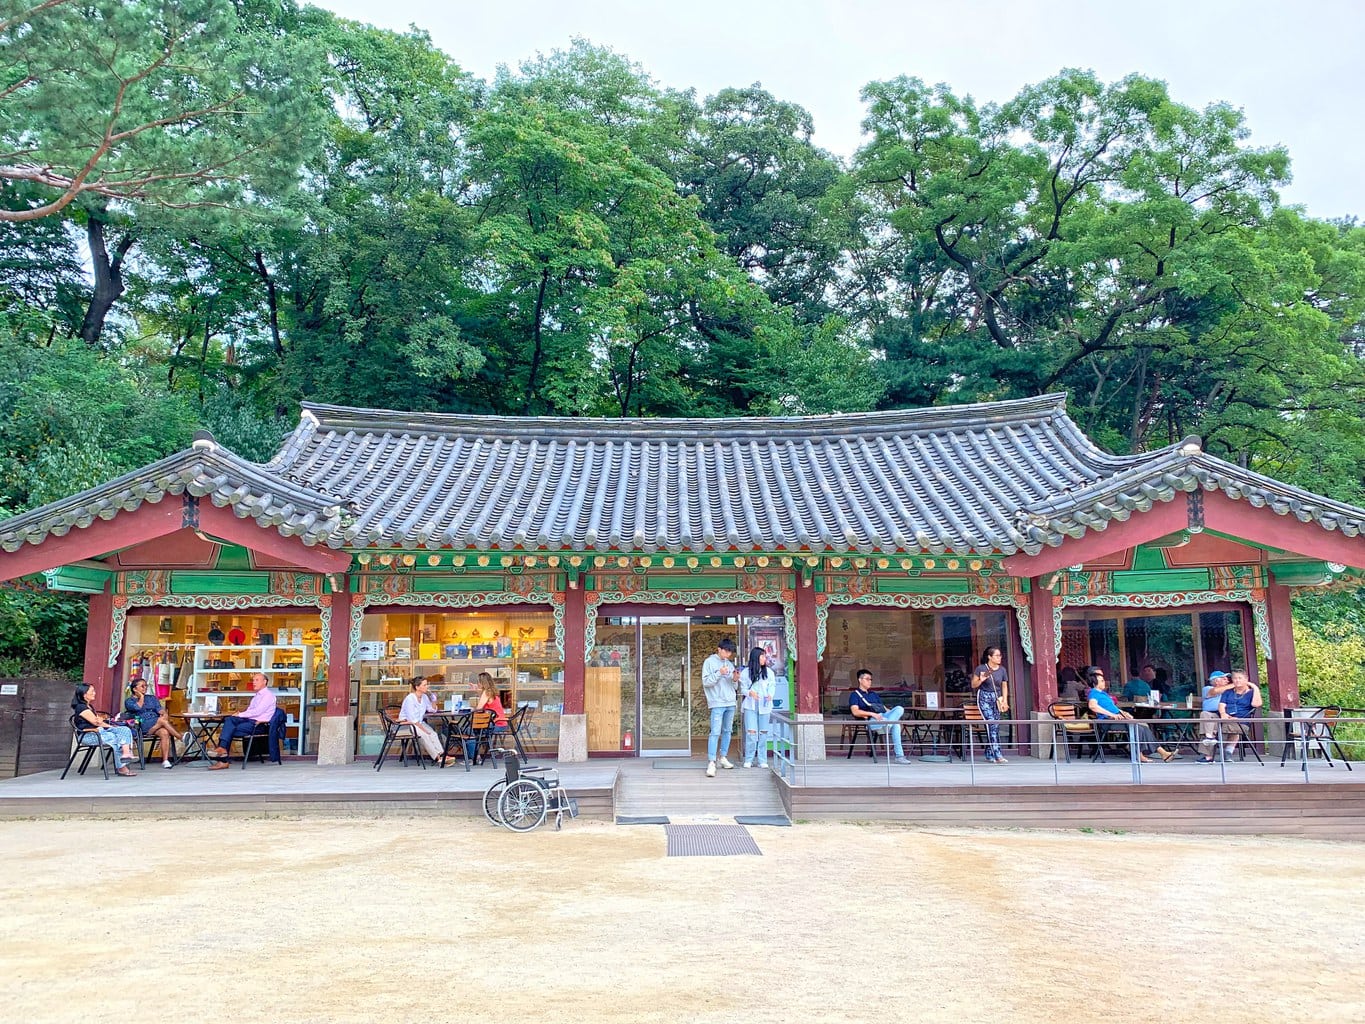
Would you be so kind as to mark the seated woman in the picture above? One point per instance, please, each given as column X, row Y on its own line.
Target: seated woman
column 487, row 701
column 1103, row 708
column 94, row 729
column 151, row 718
column 414, row 710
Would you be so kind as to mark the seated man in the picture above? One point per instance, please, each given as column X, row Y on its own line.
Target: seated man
column 1104, row 710
column 1208, row 714
column 1141, row 687
column 1237, row 704
column 864, row 704
column 261, row 709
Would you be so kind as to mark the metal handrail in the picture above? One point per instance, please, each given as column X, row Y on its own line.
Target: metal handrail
column 1299, row 737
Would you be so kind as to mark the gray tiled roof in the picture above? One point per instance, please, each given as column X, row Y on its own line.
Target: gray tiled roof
column 205, row 470
column 972, row 479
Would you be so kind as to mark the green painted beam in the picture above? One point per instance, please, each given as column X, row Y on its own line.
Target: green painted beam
column 77, row 579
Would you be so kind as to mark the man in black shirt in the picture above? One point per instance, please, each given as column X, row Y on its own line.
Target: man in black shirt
column 864, row 704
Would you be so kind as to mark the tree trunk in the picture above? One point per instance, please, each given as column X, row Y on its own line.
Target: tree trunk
column 272, row 299
column 537, row 327
column 108, row 278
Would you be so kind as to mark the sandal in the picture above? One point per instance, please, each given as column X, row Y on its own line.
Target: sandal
column 1166, row 755
column 126, row 772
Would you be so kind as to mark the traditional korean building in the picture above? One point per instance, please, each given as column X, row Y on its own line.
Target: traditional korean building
column 590, row 565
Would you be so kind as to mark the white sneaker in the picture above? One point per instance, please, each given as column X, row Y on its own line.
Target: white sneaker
column 762, row 764
column 902, row 760
column 724, row 762
column 165, row 764
column 748, row 764
column 711, row 769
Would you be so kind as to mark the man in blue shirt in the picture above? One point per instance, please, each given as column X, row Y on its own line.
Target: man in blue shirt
column 1103, row 708
column 1240, row 701
column 865, row 705
column 1141, row 687
column 1208, row 714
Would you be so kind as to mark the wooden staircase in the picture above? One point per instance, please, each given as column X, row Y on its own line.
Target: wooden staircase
column 679, row 793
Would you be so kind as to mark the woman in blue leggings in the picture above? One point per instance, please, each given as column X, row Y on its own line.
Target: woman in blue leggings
column 990, row 684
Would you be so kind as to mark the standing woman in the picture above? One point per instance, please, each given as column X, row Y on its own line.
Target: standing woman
column 95, row 730
column 989, row 682
column 151, row 718
column 758, row 683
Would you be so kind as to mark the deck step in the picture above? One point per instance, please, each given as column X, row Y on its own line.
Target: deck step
column 643, row 791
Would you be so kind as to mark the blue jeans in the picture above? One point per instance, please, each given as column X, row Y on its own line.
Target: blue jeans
column 722, row 725
column 114, row 737
column 471, row 747
column 890, row 717
column 756, row 735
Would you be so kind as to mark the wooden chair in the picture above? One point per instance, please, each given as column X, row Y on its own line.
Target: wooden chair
column 1074, row 729
column 973, row 727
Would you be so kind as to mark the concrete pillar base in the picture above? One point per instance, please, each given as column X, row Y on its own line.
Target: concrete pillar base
column 810, row 737
column 573, row 737
column 1043, row 737
column 336, row 739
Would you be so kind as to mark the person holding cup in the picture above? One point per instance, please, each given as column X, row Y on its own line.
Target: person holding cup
column 719, row 681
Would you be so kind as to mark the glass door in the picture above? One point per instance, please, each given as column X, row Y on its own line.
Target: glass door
column 665, row 695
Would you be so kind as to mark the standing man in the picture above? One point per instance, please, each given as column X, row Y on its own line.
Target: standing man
column 261, row 709
column 1237, row 704
column 720, row 680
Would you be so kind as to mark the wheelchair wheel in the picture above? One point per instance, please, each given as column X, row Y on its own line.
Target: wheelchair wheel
column 523, row 806
column 491, row 796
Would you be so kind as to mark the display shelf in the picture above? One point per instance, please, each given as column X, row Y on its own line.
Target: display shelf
column 289, row 663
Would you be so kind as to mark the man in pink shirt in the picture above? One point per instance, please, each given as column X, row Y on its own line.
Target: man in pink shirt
column 261, row 709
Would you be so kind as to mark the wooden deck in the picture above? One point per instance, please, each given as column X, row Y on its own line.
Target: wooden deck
column 1027, row 793
column 1178, row 797
column 299, row 787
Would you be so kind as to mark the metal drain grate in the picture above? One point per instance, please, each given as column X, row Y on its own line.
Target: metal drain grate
column 710, row 841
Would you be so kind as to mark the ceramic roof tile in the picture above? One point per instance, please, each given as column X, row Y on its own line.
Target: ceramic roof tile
column 997, row 477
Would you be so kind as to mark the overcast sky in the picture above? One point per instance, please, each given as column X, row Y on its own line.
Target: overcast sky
column 1294, row 68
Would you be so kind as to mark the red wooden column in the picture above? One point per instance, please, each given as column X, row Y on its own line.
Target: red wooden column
column 575, row 649
column 807, row 661
column 99, row 628
column 339, row 650
column 1041, row 603
column 1282, row 670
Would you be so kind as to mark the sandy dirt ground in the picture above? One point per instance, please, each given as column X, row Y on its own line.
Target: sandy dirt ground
column 434, row 920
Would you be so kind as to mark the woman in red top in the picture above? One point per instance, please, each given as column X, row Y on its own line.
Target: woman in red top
column 488, row 701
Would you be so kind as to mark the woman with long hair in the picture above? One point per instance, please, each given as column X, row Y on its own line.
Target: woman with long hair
column 94, row 729
column 487, row 701
column 151, row 718
column 758, row 683
column 990, row 684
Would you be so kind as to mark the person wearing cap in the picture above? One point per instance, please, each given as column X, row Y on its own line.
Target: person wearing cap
column 1219, row 682
column 720, row 682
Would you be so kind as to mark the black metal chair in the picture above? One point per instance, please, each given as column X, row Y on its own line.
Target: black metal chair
column 852, row 732
column 515, row 724
column 262, row 733
column 1313, row 730
column 402, row 733
column 88, row 749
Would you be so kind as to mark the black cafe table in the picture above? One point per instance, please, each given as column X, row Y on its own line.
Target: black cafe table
column 204, row 727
